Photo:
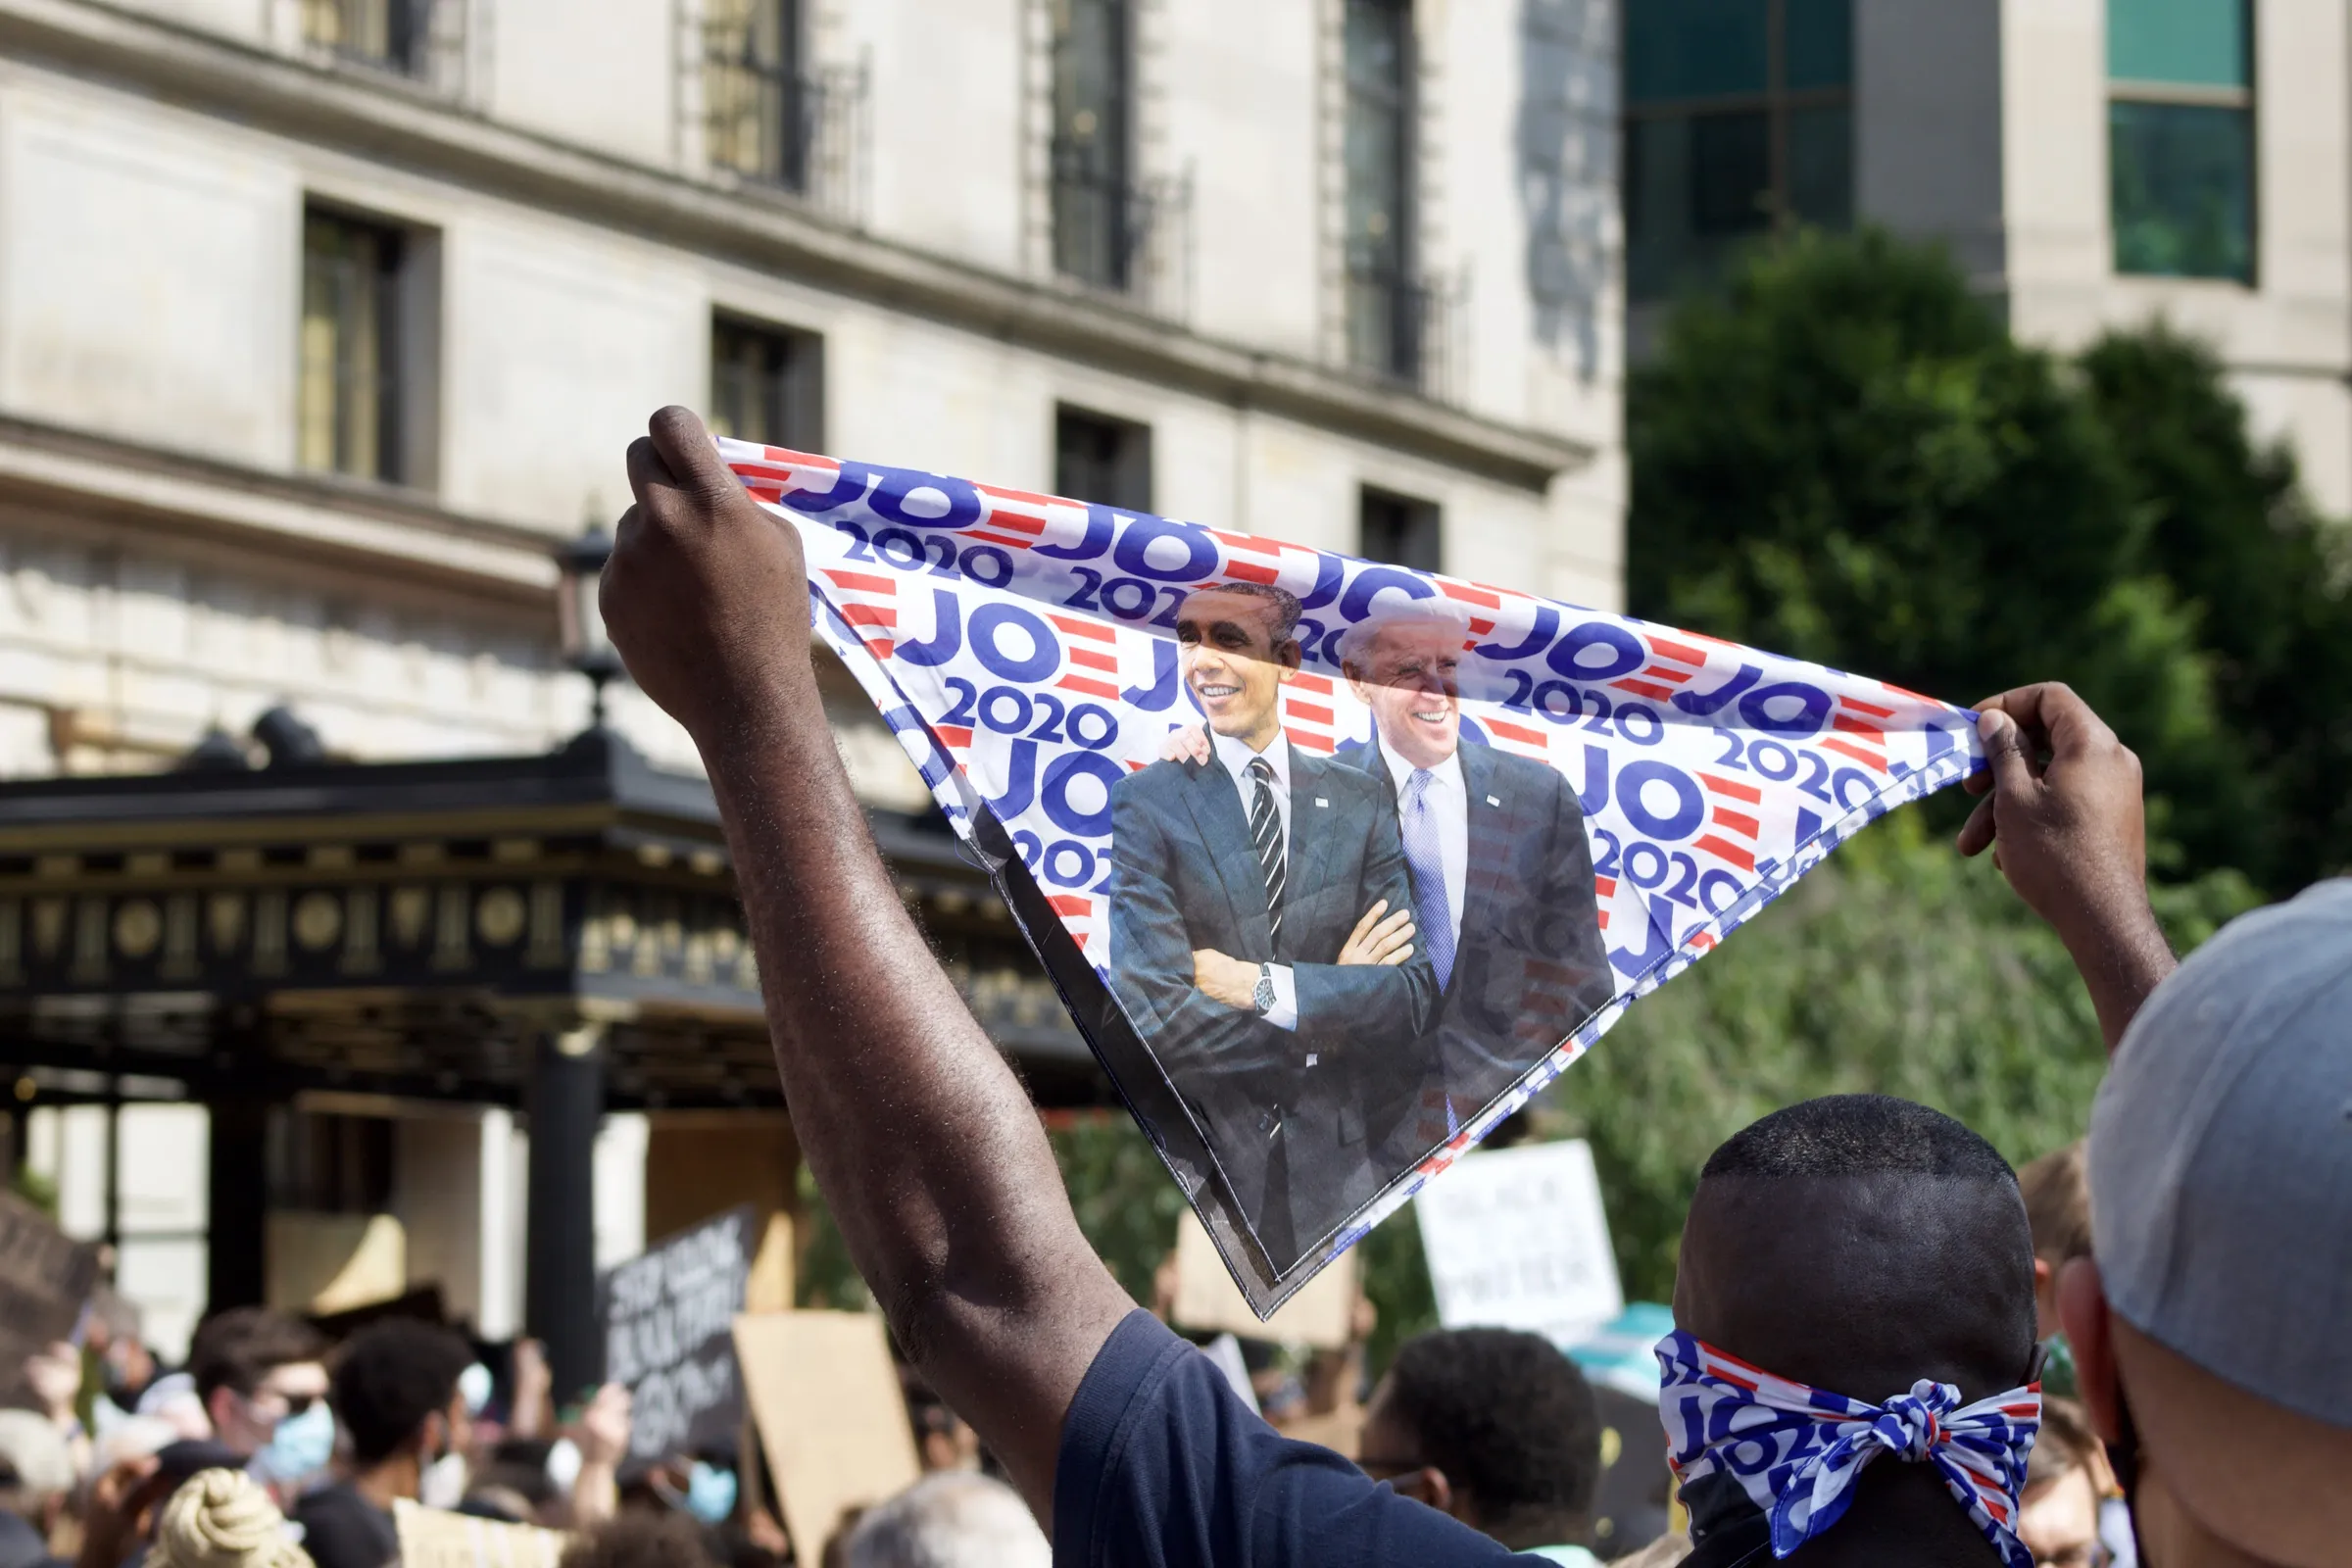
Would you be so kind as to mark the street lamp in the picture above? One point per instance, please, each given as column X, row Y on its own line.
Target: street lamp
column 586, row 646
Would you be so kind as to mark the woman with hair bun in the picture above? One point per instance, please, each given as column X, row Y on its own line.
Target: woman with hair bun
column 223, row 1519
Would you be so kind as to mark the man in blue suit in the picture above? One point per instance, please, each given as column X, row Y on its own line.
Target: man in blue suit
column 1502, row 873
column 1260, row 932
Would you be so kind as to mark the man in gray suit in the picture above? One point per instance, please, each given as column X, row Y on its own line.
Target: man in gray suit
column 1501, row 874
column 1261, row 939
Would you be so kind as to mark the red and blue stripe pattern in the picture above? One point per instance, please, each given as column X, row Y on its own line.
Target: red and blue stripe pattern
column 1796, row 1451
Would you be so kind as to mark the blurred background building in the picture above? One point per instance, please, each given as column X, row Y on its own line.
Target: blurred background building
column 323, row 325
column 2089, row 164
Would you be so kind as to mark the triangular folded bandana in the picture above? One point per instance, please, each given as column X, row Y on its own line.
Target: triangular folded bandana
column 1334, row 862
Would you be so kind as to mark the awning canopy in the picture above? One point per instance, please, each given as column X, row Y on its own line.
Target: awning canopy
column 411, row 929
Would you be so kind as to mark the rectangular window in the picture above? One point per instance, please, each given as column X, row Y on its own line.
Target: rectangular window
column 1384, row 304
column 1103, row 459
column 1401, row 530
column 2180, row 137
column 1739, row 117
column 766, row 385
column 763, row 109
column 390, row 33
column 350, row 388
column 1094, row 216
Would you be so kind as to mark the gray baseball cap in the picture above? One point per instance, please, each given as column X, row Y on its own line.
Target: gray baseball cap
column 2221, row 1159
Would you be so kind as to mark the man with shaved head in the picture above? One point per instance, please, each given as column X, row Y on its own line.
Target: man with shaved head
column 1863, row 1248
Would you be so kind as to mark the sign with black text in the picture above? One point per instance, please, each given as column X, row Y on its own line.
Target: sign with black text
column 668, row 1316
column 1516, row 1239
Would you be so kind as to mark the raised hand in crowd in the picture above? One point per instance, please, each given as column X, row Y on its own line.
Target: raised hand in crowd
column 2062, row 814
column 602, row 1435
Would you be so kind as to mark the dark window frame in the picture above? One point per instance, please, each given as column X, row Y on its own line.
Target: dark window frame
column 794, row 410
column 1402, row 530
column 2242, row 102
column 408, row 26
column 1120, row 464
column 1098, row 207
column 1777, row 102
column 1387, row 309
column 382, row 287
column 767, row 60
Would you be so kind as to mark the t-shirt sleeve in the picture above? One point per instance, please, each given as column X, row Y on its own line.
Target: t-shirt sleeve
column 1162, row 1466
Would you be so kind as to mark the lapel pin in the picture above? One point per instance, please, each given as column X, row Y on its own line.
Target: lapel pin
column 1320, row 801
column 1492, row 801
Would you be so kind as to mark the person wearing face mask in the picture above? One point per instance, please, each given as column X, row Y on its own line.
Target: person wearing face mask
column 397, row 1393
column 254, row 1371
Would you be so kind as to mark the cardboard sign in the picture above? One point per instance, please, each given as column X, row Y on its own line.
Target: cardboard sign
column 430, row 1538
column 1206, row 1300
column 826, row 1399
column 45, row 1278
column 668, row 1316
column 1516, row 1239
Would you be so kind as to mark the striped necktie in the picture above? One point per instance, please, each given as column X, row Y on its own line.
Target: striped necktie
column 1265, row 837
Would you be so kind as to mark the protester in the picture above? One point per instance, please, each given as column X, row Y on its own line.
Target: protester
column 1495, row 1428
column 950, row 1520
column 263, row 1388
column 223, row 1519
column 2065, row 1482
column 36, row 1476
column 2057, row 1193
column 396, row 1392
column 953, row 1208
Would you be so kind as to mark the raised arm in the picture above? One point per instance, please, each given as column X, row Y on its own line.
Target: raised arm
column 921, row 1140
column 2063, row 816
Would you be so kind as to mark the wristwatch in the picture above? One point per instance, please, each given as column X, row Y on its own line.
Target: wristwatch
column 1264, row 995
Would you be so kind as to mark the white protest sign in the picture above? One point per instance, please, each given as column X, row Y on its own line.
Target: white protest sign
column 1516, row 1239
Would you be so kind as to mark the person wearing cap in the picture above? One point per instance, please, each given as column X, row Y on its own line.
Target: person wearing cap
column 36, row 1472
column 2212, row 1324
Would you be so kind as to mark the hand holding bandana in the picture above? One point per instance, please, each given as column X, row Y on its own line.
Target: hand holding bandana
column 1798, row 1451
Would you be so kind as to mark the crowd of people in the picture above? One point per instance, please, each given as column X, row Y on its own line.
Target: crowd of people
column 1888, row 1347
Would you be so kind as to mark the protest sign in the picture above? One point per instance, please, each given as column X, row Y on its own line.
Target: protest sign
column 45, row 1278
column 432, row 1538
column 668, row 1316
column 831, row 1416
column 1214, row 774
column 1318, row 1316
column 1516, row 1239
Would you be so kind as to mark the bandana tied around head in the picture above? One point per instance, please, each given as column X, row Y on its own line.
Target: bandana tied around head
column 1796, row 1451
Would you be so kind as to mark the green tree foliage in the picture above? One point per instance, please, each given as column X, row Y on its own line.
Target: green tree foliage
column 1846, row 457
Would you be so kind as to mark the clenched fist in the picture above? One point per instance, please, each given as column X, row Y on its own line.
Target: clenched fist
column 706, row 597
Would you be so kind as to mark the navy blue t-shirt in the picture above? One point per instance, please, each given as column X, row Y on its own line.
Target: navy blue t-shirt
column 1163, row 1466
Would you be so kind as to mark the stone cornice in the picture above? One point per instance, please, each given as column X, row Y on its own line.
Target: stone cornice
column 391, row 121
column 352, row 525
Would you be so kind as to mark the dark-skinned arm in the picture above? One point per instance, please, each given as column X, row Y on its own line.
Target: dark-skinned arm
column 920, row 1138
column 2063, row 816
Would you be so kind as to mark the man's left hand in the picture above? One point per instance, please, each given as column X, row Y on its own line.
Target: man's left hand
column 1232, row 981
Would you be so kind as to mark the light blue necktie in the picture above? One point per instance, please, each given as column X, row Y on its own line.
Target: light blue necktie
column 1431, row 911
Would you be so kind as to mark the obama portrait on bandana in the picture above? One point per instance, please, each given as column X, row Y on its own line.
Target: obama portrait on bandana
column 1261, row 935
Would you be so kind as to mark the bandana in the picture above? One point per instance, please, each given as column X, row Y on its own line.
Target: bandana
column 1796, row 1451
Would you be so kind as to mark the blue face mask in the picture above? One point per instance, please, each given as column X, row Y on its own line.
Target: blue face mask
column 301, row 1445
column 710, row 1493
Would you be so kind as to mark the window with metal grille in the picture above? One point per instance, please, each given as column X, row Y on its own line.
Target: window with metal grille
column 2180, row 137
column 394, row 34
column 1739, row 117
column 1103, row 459
column 349, row 391
column 1386, row 306
column 764, row 110
column 1401, row 530
column 766, row 385
column 1095, row 218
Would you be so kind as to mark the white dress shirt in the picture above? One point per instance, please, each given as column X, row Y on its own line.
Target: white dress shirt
column 1446, row 795
column 1236, row 757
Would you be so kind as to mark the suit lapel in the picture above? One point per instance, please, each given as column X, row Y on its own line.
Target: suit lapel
column 1490, row 828
column 1310, row 849
column 1223, row 834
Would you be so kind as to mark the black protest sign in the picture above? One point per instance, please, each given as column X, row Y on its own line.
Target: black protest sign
column 668, row 1316
column 45, row 1278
